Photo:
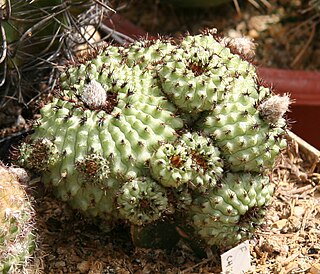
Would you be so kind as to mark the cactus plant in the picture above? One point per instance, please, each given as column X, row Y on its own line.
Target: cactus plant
column 159, row 131
column 38, row 34
column 17, row 240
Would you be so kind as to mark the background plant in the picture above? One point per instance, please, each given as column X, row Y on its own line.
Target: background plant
column 17, row 238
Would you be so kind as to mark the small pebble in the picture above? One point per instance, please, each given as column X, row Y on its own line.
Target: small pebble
column 84, row 266
column 60, row 264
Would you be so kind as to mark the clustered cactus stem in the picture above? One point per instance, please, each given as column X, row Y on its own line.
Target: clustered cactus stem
column 158, row 131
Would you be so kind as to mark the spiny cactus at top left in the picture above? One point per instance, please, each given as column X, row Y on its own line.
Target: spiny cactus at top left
column 38, row 34
column 162, row 130
column 17, row 239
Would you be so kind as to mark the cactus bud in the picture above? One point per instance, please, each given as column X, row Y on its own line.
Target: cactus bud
column 273, row 108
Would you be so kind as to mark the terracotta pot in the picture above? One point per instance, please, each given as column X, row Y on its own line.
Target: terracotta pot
column 124, row 26
column 304, row 87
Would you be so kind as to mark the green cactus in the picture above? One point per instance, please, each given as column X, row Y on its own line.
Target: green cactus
column 17, row 240
column 142, row 201
column 229, row 212
column 242, row 130
column 160, row 131
column 192, row 160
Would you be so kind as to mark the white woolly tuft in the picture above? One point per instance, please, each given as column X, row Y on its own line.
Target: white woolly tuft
column 273, row 109
column 243, row 45
column 94, row 95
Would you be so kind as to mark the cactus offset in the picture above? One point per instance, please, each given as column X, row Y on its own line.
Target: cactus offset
column 159, row 131
column 228, row 213
column 192, row 160
column 142, row 201
column 16, row 224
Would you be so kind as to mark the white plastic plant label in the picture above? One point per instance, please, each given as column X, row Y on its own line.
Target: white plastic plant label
column 236, row 260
